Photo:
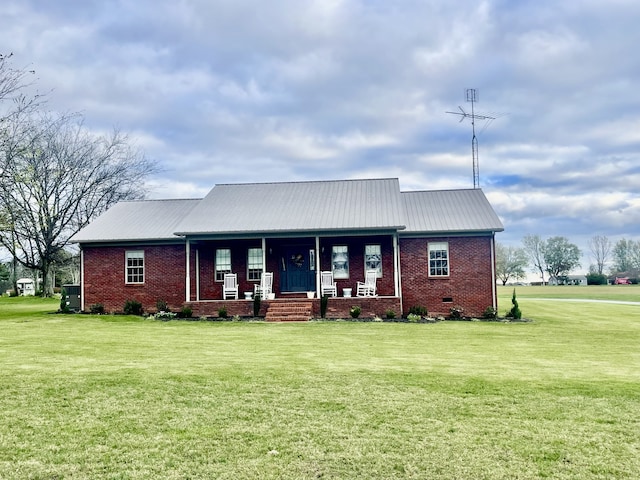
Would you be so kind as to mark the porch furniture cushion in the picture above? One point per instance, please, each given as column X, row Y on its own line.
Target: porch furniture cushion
column 368, row 287
column 265, row 286
column 230, row 286
column 327, row 285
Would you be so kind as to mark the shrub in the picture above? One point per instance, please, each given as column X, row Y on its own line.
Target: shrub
column 186, row 312
column 414, row 318
column 222, row 312
column 456, row 312
column 96, row 309
column 355, row 311
column 390, row 314
column 64, row 308
column 132, row 307
column 515, row 312
column 161, row 306
column 256, row 305
column 596, row 279
column 490, row 313
column 419, row 310
column 324, row 301
column 162, row 315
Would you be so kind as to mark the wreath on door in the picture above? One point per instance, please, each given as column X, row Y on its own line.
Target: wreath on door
column 297, row 259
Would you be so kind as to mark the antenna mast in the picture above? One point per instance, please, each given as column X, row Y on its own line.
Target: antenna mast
column 472, row 96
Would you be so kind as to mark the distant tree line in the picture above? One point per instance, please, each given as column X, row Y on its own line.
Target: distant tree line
column 556, row 257
column 55, row 176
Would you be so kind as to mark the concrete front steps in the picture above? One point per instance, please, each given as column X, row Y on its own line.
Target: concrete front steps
column 289, row 311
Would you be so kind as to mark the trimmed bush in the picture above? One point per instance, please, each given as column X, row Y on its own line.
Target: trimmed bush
column 222, row 312
column 186, row 312
column 456, row 313
column 132, row 307
column 355, row 311
column 324, row 301
column 96, row 309
column 256, row 305
column 490, row 313
column 515, row 312
column 64, row 308
column 162, row 306
column 419, row 310
column 390, row 314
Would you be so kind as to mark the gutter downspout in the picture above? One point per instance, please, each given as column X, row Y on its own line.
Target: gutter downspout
column 493, row 272
column 81, row 279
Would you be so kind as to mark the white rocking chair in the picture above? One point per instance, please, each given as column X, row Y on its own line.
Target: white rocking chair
column 230, row 287
column 264, row 288
column 368, row 287
column 327, row 285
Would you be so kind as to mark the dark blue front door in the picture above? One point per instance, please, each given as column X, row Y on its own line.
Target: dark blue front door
column 297, row 269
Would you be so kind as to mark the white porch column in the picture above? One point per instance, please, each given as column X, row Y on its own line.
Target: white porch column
column 317, row 255
column 264, row 255
column 397, row 274
column 187, row 284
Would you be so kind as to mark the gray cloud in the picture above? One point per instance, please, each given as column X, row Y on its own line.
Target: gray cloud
column 221, row 91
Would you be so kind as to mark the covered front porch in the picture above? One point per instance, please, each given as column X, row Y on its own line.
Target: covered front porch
column 304, row 308
column 295, row 263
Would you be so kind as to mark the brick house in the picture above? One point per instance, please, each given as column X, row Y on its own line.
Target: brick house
column 434, row 249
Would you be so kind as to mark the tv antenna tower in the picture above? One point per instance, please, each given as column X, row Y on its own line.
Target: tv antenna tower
column 472, row 96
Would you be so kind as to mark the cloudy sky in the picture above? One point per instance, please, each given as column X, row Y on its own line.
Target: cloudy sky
column 229, row 91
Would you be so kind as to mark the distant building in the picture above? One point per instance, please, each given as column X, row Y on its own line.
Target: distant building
column 569, row 280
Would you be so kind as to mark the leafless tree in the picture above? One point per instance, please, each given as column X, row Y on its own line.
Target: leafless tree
column 600, row 247
column 55, row 176
column 13, row 83
column 510, row 263
column 534, row 246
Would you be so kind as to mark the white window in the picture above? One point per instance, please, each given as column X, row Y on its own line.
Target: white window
column 223, row 263
column 340, row 261
column 373, row 259
column 134, row 266
column 254, row 264
column 439, row 259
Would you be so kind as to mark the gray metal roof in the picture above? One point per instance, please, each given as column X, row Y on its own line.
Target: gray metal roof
column 295, row 207
column 298, row 207
column 137, row 220
column 449, row 211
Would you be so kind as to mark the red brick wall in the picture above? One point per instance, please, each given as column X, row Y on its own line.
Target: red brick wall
column 469, row 285
column 104, row 277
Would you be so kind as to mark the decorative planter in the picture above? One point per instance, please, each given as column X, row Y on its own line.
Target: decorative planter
column 346, row 292
column 271, row 296
column 311, row 294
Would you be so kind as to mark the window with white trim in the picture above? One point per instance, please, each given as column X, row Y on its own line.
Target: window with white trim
column 223, row 263
column 254, row 264
column 340, row 261
column 134, row 266
column 373, row 259
column 438, row 259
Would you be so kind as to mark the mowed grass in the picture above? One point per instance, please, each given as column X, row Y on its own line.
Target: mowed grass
column 85, row 396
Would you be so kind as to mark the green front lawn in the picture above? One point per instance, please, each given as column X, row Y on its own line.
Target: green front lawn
column 86, row 396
